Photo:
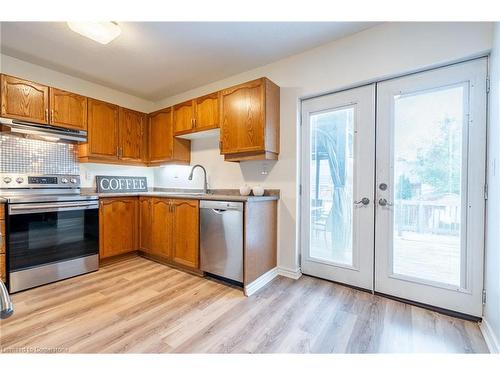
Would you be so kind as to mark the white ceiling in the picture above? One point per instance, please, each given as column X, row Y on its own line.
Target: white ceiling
column 154, row 60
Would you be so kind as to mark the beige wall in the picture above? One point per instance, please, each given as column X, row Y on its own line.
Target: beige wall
column 379, row 52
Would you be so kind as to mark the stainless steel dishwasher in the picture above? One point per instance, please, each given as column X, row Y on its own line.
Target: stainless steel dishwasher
column 221, row 239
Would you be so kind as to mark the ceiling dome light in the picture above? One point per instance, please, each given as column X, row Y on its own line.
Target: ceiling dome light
column 102, row 32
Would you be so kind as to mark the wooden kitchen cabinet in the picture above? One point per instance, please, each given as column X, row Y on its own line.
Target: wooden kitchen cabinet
column 197, row 115
column 118, row 226
column 207, row 112
column 186, row 232
column 102, row 142
column 67, row 109
column 24, row 100
column 161, row 242
column 250, row 118
column 163, row 147
column 169, row 229
column 131, row 135
column 145, row 224
column 183, row 117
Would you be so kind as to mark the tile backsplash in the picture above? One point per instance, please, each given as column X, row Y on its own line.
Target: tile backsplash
column 23, row 155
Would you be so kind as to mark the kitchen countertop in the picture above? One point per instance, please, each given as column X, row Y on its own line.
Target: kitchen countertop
column 215, row 195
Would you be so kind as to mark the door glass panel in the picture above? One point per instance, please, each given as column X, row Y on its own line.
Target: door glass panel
column 428, row 140
column 331, row 166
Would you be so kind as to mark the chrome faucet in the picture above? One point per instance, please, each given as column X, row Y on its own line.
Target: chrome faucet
column 6, row 306
column 205, row 184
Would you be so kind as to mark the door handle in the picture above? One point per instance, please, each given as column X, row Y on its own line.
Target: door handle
column 363, row 202
column 383, row 202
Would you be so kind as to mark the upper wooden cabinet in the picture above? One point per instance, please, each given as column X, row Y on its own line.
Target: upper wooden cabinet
column 67, row 109
column 102, row 142
column 24, row 100
column 250, row 118
column 197, row 115
column 207, row 112
column 131, row 135
column 118, row 226
column 163, row 147
column 184, row 117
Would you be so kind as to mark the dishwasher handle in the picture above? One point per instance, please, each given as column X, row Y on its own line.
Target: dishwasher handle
column 219, row 206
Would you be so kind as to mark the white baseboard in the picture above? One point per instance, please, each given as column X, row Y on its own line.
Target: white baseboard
column 490, row 337
column 255, row 285
column 287, row 272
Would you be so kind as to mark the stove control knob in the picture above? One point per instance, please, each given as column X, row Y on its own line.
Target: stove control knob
column 72, row 180
column 7, row 180
column 64, row 180
column 19, row 180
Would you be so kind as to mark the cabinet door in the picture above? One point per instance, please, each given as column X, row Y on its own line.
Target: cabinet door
column 102, row 129
column 242, row 118
column 131, row 134
column 145, row 222
column 183, row 117
column 24, row 100
column 186, row 232
column 207, row 112
column 118, row 226
column 161, row 228
column 67, row 109
column 160, row 136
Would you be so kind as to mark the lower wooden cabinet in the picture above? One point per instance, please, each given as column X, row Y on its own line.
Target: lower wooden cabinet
column 118, row 224
column 169, row 228
column 185, row 226
column 161, row 224
column 145, row 218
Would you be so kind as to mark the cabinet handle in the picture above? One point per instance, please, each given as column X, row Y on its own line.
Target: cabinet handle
column 47, row 115
column 194, row 123
column 117, row 151
column 51, row 115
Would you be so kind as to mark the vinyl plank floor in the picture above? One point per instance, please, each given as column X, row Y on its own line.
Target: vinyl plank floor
column 139, row 306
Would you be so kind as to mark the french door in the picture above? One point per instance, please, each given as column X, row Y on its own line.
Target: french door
column 402, row 215
column 338, row 143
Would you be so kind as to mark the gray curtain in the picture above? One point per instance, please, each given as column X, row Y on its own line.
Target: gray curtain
column 332, row 143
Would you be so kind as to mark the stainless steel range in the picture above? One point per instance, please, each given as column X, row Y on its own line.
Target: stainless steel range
column 52, row 230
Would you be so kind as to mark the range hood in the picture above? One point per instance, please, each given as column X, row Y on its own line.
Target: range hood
column 43, row 132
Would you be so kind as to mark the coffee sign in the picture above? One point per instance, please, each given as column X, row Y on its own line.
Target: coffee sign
column 121, row 184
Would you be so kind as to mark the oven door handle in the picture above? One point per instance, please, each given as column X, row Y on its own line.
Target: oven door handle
column 28, row 208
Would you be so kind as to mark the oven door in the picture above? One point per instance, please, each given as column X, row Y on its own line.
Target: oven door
column 44, row 234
